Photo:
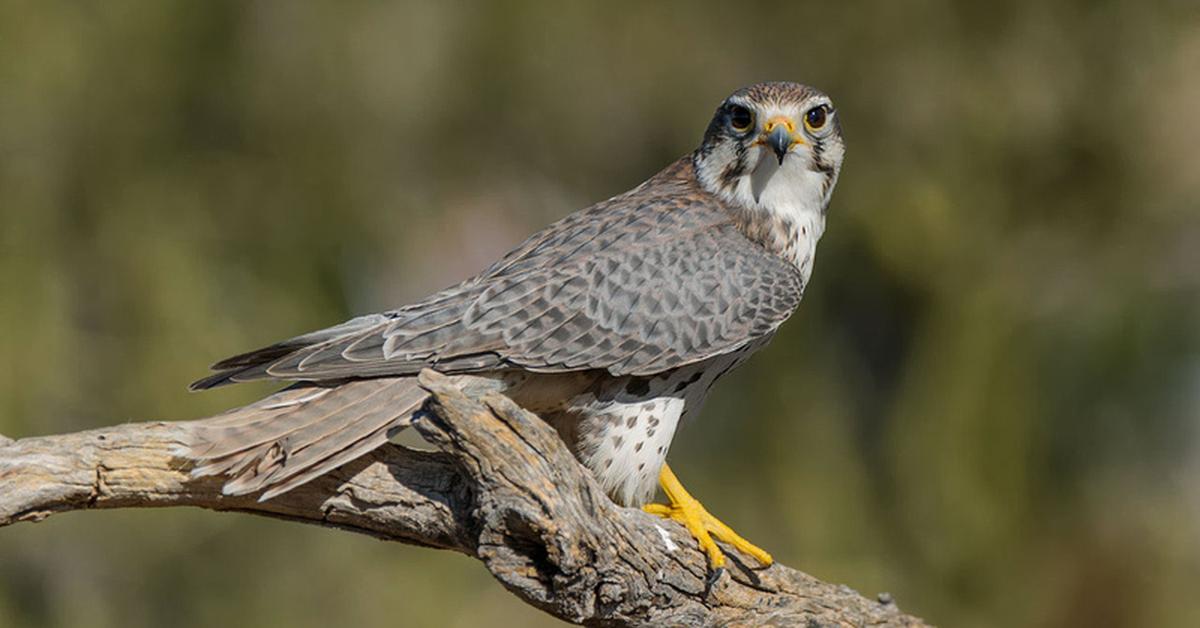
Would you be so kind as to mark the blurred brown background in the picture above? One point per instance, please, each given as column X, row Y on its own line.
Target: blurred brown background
column 987, row 404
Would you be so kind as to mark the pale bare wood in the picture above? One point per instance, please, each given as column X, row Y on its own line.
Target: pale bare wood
column 503, row 489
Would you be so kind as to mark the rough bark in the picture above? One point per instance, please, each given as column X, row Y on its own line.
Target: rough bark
column 503, row 489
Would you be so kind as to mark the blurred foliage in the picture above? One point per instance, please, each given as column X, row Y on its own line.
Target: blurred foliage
column 987, row 404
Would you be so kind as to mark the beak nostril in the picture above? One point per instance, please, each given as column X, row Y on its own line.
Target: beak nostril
column 779, row 121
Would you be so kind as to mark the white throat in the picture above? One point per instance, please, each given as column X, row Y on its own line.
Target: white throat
column 792, row 193
column 791, row 190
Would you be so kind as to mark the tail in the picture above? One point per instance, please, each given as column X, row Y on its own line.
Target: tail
column 302, row 432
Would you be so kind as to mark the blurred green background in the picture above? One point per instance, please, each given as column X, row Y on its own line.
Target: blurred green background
column 987, row 404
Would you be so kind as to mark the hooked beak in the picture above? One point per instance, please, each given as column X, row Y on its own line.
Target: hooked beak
column 780, row 135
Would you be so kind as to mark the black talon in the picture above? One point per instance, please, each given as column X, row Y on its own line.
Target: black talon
column 714, row 577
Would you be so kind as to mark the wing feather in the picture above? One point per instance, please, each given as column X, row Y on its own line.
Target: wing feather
column 645, row 282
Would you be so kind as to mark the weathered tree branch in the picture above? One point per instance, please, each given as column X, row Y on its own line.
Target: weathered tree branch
column 503, row 489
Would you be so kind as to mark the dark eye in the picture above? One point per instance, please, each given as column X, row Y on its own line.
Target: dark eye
column 816, row 117
column 740, row 118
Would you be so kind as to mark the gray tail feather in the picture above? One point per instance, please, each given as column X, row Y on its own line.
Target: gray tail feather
column 297, row 434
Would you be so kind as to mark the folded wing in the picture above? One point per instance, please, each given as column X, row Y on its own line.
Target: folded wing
column 637, row 285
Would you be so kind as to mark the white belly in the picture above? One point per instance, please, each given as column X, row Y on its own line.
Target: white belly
column 622, row 429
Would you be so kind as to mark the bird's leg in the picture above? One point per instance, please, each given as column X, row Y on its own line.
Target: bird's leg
column 687, row 510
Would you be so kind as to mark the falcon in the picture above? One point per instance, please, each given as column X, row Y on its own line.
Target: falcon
column 612, row 324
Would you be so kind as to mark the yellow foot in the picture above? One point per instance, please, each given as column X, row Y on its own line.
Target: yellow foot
column 687, row 510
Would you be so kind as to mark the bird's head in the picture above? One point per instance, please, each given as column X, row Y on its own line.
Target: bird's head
column 775, row 147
